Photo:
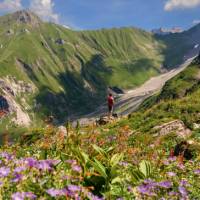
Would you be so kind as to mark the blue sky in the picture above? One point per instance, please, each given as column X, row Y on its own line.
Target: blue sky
column 95, row 14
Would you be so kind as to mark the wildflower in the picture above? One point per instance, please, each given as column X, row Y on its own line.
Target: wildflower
column 172, row 159
column 44, row 165
column 74, row 188
column 181, row 166
column 6, row 156
column 23, row 195
column 71, row 162
column 93, row 197
column 173, row 193
column 171, row 174
column 56, row 192
column 197, row 171
column 184, row 183
column 77, row 168
column 165, row 184
column 123, row 164
column 19, row 169
column 166, row 162
column 146, row 190
column 17, row 178
column 4, row 171
column 183, row 191
column 31, row 162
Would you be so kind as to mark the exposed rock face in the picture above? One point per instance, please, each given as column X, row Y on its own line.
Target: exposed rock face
column 60, row 41
column 22, row 17
column 10, row 89
column 176, row 126
column 27, row 17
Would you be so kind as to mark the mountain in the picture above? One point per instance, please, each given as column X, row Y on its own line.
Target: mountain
column 46, row 69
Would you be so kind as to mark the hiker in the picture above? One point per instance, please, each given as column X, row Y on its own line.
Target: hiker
column 110, row 104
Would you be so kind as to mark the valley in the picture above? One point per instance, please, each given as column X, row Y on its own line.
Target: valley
column 129, row 102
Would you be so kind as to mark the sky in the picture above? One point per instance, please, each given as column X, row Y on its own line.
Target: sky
column 97, row 14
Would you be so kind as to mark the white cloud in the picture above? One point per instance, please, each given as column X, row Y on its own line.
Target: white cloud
column 196, row 21
column 10, row 5
column 44, row 9
column 181, row 4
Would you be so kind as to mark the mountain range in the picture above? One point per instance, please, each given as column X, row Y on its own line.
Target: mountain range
column 47, row 69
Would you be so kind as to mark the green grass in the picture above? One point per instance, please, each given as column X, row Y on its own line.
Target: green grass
column 124, row 57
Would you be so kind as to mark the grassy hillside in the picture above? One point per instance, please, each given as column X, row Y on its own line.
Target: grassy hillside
column 177, row 100
column 71, row 70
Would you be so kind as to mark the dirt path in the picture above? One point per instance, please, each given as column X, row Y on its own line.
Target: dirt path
column 129, row 102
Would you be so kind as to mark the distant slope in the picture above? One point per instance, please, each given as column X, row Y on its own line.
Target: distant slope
column 70, row 71
column 179, row 99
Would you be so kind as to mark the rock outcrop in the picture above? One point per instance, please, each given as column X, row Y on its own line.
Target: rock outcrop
column 176, row 126
column 10, row 89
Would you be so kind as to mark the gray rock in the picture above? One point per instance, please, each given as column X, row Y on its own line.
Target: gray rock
column 176, row 126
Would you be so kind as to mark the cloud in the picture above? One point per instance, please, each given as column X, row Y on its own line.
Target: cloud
column 181, row 4
column 44, row 9
column 10, row 5
column 196, row 21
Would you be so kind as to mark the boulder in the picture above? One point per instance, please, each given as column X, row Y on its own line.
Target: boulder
column 176, row 126
column 60, row 41
column 103, row 120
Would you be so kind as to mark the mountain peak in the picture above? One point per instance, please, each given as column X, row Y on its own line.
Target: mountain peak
column 26, row 17
column 22, row 17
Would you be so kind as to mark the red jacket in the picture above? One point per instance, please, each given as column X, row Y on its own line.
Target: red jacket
column 110, row 100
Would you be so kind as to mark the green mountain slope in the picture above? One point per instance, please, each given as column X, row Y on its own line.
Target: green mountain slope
column 70, row 71
column 179, row 99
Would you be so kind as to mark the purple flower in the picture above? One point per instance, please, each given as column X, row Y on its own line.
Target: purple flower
column 56, row 192
column 4, row 171
column 18, row 196
column 146, row 190
column 181, row 166
column 184, row 183
column 173, row 194
column 197, row 171
column 31, row 162
column 166, row 162
column 19, row 169
column 72, row 162
column 172, row 159
column 123, row 164
column 182, row 191
column 23, row 195
column 165, row 184
column 6, row 155
column 171, row 174
column 74, row 188
column 93, row 197
column 44, row 165
column 17, row 178
column 77, row 168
